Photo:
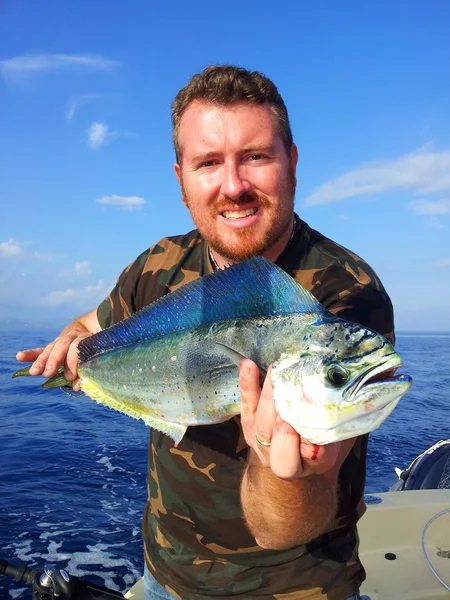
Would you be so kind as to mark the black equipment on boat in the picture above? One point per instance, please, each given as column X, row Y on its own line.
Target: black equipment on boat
column 52, row 585
column 428, row 471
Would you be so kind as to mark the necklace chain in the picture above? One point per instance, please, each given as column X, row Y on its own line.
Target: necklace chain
column 214, row 262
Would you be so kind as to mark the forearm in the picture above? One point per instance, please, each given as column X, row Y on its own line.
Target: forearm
column 87, row 323
column 281, row 514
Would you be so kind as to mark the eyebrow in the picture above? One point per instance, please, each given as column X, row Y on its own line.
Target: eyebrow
column 204, row 156
column 260, row 148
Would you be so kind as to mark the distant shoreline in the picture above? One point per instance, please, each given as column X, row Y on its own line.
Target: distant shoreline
column 41, row 327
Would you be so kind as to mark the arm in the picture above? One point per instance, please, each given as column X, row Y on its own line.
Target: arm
column 64, row 349
column 289, row 489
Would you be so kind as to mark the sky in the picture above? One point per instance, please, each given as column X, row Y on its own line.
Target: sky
column 86, row 161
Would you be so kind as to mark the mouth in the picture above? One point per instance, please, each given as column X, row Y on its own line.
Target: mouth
column 379, row 375
column 233, row 215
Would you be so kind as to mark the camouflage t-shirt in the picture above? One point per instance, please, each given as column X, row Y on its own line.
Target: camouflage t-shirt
column 196, row 543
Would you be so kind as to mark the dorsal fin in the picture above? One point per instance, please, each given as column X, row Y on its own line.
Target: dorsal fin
column 254, row 288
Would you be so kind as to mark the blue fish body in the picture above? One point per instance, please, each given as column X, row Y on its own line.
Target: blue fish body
column 174, row 364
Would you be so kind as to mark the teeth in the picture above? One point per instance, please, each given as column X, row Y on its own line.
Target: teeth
column 238, row 214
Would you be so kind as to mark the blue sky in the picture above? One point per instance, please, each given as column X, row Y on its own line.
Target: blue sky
column 86, row 169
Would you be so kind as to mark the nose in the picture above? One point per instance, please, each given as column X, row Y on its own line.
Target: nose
column 234, row 185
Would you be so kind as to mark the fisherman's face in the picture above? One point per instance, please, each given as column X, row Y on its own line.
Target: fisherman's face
column 237, row 178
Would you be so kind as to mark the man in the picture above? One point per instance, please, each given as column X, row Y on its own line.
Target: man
column 245, row 508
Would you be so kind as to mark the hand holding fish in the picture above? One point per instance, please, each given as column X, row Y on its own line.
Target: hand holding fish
column 62, row 351
column 286, row 475
column 274, row 441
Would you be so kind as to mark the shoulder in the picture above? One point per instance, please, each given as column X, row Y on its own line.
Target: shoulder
column 330, row 265
column 167, row 253
column 342, row 281
column 170, row 263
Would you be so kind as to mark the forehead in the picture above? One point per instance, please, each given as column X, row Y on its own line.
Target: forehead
column 208, row 126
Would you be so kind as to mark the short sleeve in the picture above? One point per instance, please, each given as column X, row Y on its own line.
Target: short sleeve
column 369, row 307
column 121, row 302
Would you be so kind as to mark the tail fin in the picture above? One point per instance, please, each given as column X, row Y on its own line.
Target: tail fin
column 57, row 381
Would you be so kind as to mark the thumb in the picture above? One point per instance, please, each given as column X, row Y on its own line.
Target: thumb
column 250, row 388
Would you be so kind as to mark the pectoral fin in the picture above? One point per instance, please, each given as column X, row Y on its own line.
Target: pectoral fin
column 236, row 357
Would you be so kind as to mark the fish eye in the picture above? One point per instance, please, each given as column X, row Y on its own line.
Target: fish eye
column 337, row 375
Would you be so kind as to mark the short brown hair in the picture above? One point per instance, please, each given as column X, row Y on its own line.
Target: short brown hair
column 225, row 84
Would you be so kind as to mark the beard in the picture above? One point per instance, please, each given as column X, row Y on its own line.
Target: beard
column 239, row 245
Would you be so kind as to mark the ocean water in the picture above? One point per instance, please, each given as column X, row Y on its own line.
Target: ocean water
column 73, row 473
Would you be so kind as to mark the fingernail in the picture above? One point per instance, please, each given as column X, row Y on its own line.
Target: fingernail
column 48, row 368
column 35, row 368
column 245, row 371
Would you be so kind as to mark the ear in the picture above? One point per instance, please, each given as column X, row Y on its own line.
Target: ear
column 294, row 157
column 177, row 169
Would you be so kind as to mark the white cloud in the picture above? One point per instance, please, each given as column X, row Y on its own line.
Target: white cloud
column 58, row 298
column 74, row 104
column 10, row 248
column 19, row 68
column 99, row 290
column 47, row 256
column 423, row 172
column 445, row 262
column 81, row 268
column 21, row 250
column 97, row 134
column 125, row 202
column 426, row 207
column 90, row 295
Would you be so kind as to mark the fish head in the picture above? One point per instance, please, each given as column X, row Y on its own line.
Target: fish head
column 341, row 383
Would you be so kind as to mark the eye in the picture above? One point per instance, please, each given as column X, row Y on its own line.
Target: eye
column 337, row 375
column 257, row 157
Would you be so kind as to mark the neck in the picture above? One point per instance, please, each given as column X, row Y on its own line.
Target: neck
column 272, row 253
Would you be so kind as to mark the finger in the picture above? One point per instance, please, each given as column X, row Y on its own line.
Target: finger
column 319, row 459
column 265, row 412
column 71, row 363
column 40, row 363
column 76, row 385
column 250, row 390
column 29, row 355
column 285, row 458
column 57, row 355
column 72, row 358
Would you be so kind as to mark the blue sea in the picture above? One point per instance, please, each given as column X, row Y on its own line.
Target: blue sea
column 73, row 473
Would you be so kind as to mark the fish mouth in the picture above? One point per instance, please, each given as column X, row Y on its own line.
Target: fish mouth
column 378, row 375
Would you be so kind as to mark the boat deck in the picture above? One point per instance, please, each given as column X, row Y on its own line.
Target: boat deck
column 395, row 526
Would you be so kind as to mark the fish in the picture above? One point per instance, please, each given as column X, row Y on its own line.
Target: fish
column 174, row 363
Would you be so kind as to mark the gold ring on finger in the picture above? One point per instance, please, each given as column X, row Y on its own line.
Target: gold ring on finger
column 265, row 444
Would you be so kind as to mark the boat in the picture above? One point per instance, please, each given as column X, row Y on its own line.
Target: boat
column 404, row 542
column 405, row 537
column 404, row 533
